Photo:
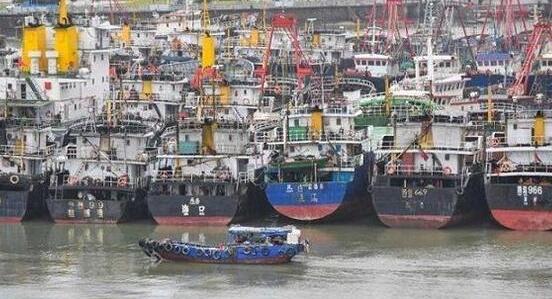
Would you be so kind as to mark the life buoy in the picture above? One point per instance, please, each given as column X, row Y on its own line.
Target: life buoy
column 14, row 179
column 199, row 252
column 506, row 166
column 185, row 250
column 391, row 168
column 277, row 89
column 265, row 251
column 73, row 180
column 122, row 181
column 495, row 142
column 177, row 249
column 447, row 170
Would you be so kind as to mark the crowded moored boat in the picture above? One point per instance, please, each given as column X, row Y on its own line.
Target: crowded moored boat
column 190, row 119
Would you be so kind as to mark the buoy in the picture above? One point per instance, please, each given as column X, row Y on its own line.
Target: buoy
column 14, row 179
column 199, row 252
column 447, row 170
column 265, row 251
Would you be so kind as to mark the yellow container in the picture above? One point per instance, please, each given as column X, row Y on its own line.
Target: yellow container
column 67, row 41
column 538, row 129
column 34, row 39
column 207, row 51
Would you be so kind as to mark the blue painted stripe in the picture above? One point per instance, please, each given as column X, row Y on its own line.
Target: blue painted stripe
column 302, row 194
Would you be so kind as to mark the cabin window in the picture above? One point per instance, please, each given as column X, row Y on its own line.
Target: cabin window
column 186, row 137
column 493, row 63
column 501, row 62
column 447, row 157
column 338, row 121
column 245, row 91
column 370, row 62
column 229, row 137
column 378, row 63
column 128, row 142
column 295, row 122
column 515, row 126
column 235, row 93
column 85, row 166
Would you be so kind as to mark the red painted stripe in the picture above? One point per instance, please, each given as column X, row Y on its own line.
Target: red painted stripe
column 10, row 219
column 193, row 220
column 84, row 221
column 523, row 220
column 307, row 212
column 415, row 221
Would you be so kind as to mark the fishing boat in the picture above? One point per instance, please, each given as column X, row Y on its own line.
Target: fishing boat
column 244, row 245
column 100, row 175
column 429, row 174
column 317, row 170
column 519, row 174
column 54, row 83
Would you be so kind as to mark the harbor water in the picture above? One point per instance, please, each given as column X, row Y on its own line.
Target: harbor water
column 361, row 260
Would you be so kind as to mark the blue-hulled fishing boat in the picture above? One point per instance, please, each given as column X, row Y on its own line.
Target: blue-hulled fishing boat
column 245, row 245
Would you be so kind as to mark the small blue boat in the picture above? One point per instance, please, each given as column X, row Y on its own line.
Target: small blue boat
column 245, row 245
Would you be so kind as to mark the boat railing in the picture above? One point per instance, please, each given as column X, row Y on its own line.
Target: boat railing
column 343, row 135
column 501, row 106
column 31, row 122
column 412, row 170
column 178, row 176
column 111, row 182
column 459, row 146
column 493, row 142
column 505, row 168
column 23, row 150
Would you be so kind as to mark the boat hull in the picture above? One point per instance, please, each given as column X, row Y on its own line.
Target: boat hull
column 428, row 208
column 22, row 201
column 519, row 207
column 247, row 202
column 65, row 206
column 259, row 254
column 323, row 201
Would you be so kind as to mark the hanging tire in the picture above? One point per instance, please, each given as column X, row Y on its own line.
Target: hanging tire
column 217, row 254
column 168, row 247
column 265, row 251
column 281, row 252
column 247, row 250
column 185, row 250
column 177, row 249
column 199, row 252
